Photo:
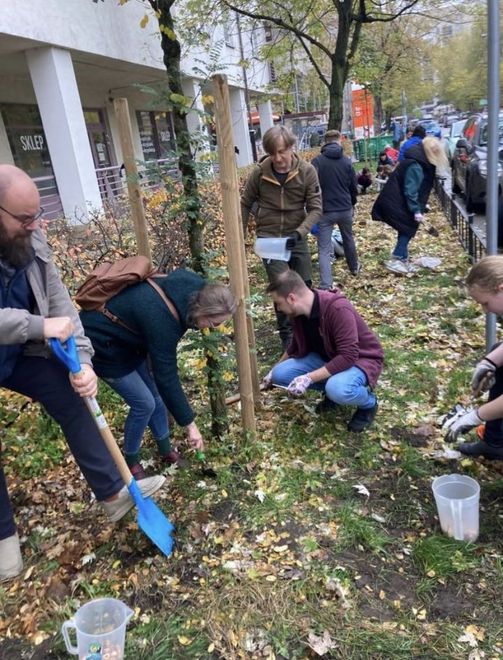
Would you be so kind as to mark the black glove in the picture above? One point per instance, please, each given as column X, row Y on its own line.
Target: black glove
column 292, row 240
column 483, row 377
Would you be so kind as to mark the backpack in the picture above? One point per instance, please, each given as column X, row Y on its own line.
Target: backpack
column 109, row 279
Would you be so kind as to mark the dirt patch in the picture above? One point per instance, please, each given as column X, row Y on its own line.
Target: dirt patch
column 15, row 649
column 416, row 437
column 399, row 586
column 382, row 590
column 450, row 602
column 224, row 511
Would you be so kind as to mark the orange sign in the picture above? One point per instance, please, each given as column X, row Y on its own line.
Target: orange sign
column 363, row 113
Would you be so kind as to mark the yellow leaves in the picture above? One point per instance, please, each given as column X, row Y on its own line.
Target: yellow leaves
column 40, row 637
column 179, row 99
column 478, row 632
column 144, row 21
column 472, row 635
column 168, row 32
column 184, row 641
column 419, row 614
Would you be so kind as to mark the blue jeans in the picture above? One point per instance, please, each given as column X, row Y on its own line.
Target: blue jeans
column 325, row 252
column 347, row 388
column 401, row 250
column 139, row 391
column 47, row 382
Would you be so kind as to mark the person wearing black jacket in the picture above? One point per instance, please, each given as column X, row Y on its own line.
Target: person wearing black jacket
column 402, row 201
column 339, row 193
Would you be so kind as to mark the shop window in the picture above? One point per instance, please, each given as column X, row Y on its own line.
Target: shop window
column 156, row 134
column 99, row 138
column 26, row 136
column 229, row 32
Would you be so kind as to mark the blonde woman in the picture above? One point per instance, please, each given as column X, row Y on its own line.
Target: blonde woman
column 402, row 201
column 485, row 286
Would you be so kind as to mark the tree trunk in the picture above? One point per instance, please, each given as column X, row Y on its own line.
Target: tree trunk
column 340, row 65
column 379, row 116
column 171, row 57
column 336, row 93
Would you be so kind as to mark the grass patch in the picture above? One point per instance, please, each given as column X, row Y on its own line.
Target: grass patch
column 445, row 556
column 412, row 461
column 356, row 530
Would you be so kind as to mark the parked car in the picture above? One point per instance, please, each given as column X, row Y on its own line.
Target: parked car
column 431, row 127
column 469, row 161
column 452, row 137
column 450, row 118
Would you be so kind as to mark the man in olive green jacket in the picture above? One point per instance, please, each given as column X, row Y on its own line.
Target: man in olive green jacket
column 283, row 193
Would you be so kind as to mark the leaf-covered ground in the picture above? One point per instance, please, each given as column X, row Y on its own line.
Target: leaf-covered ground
column 311, row 541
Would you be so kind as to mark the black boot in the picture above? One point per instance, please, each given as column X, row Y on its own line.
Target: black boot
column 480, row 448
column 362, row 419
column 325, row 405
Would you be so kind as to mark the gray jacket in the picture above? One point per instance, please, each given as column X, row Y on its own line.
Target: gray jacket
column 19, row 326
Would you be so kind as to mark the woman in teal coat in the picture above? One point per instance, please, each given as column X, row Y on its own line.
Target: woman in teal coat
column 137, row 357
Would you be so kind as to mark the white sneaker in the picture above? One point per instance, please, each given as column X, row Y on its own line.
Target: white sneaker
column 397, row 266
column 11, row 562
column 117, row 509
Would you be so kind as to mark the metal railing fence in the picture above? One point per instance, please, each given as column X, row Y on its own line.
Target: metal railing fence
column 461, row 222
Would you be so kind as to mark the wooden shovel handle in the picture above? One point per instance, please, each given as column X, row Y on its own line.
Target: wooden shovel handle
column 109, row 439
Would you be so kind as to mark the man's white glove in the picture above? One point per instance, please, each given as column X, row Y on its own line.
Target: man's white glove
column 460, row 423
column 483, row 377
column 418, row 217
column 299, row 385
column 267, row 381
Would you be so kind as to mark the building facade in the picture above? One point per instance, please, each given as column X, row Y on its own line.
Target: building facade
column 62, row 64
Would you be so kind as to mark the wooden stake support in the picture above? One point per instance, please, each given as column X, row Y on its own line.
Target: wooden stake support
column 132, row 177
column 234, row 243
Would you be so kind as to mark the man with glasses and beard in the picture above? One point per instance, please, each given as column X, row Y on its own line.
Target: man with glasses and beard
column 34, row 306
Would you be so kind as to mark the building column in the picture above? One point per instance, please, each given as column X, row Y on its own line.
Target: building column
column 5, row 150
column 239, row 118
column 265, row 116
column 192, row 90
column 58, row 99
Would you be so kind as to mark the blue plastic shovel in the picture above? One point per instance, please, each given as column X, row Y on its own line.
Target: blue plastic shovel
column 151, row 519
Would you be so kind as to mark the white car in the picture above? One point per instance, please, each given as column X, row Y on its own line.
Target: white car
column 451, row 138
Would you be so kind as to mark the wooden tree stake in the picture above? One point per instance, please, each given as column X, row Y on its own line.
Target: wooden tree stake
column 234, row 247
column 132, row 177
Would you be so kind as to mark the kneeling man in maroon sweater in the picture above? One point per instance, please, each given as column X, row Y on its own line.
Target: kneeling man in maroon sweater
column 332, row 349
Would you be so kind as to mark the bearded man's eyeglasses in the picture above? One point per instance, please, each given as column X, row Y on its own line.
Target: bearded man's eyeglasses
column 25, row 220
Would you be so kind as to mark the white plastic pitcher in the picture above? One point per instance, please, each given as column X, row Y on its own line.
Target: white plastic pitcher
column 457, row 499
column 272, row 248
column 100, row 626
